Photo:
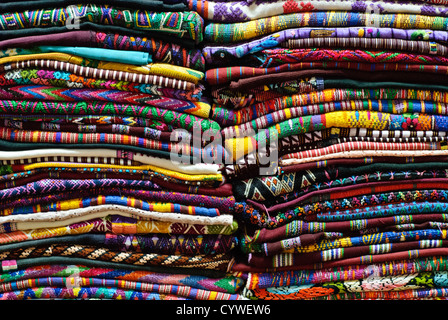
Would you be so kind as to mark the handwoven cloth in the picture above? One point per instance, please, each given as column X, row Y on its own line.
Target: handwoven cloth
column 215, row 53
column 13, row 135
column 226, row 284
column 99, row 54
column 157, row 5
column 177, row 24
column 80, row 293
column 146, row 243
column 339, row 99
column 312, row 276
column 161, row 50
column 264, row 188
column 100, row 69
column 94, row 288
column 111, row 199
column 242, row 31
column 52, row 185
column 231, row 97
column 392, row 106
column 238, row 11
column 238, row 147
column 67, row 80
column 224, row 75
column 90, row 288
column 57, row 94
column 320, row 242
column 412, row 294
column 276, row 57
column 119, row 225
column 372, row 258
column 262, row 218
column 161, row 220
column 176, row 119
column 95, row 157
column 399, row 285
column 344, row 192
column 295, row 260
column 143, row 132
column 214, row 262
column 368, row 217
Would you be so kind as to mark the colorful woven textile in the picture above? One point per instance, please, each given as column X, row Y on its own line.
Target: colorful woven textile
column 158, row 5
column 116, row 224
column 227, row 284
column 298, row 183
column 214, row 262
column 57, row 94
column 147, row 243
column 231, row 55
column 177, row 24
column 237, row 11
column 235, row 32
column 160, row 50
column 177, row 119
column 98, row 69
column 65, row 80
column 392, row 286
column 335, row 99
column 259, row 216
column 359, row 272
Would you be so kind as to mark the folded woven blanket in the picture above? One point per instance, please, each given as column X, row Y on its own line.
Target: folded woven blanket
column 161, row 51
column 250, row 213
column 348, row 38
column 225, row 284
column 411, row 294
column 369, row 259
column 160, row 220
column 289, row 186
column 86, row 293
column 338, row 99
column 238, row 147
column 238, row 11
column 214, row 262
column 216, row 32
column 157, row 5
column 352, row 223
column 177, row 24
column 322, row 241
column 279, row 56
column 58, row 94
column 224, row 75
column 143, row 243
column 83, row 67
column 418, row 109
column 67, row 80
column 119, row 224
column 131, row 114
column 117, row 200
column 407, row 286
column 359, row 272
column 96, row 157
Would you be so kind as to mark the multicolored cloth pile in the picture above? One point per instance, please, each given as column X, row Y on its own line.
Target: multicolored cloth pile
column 352, row 97
column 102, row 193
column 224, row 150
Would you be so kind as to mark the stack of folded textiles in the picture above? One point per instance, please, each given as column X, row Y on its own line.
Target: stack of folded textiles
column 95, row 99
column 352, row 97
